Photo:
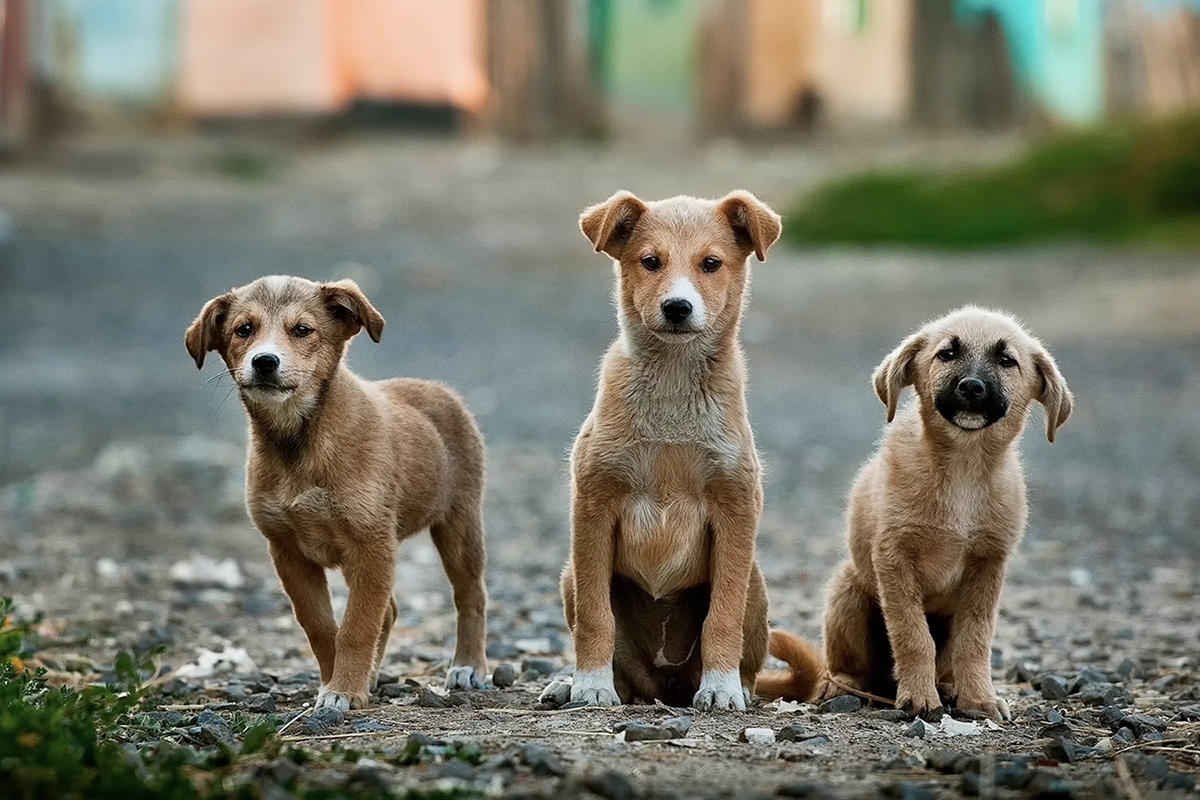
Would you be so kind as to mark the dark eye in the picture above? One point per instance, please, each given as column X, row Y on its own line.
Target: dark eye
column 1005, row 360
column 244, row 330
column 301, row 330
column 710, row 264
column 651, row 263
column 947, row 354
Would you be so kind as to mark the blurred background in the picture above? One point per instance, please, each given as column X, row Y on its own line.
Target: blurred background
column 1041, row 156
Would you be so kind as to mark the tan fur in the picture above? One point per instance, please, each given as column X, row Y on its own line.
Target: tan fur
column 341, row 469
column 933, row 518
column 662, row 585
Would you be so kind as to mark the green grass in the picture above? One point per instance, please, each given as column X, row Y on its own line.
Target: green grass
column 1135, row 183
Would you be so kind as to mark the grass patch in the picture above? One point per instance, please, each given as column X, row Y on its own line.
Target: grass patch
column 1134, row 183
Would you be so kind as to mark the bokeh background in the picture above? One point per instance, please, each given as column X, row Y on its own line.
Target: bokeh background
column 1040, row 156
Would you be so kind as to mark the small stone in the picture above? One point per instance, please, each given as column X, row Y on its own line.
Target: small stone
column 1164, row 683
column 609, row 784
column 1089, row 674
column 1034, row 713
column 1190, row 713
column 1015, row 775
column 392, row 691
column 428, row 698
column 1049, row 784
column 1054, row 716
column 678, row 726
column 1107, row 694
column 1057, row 731
column 503, row 676
column 1023, row 672
column 370, row 774
column 1112, row 716
column 1143, row 723
column 541, row 760
column 842, row 704
column 916, row 730
column 213, row 729
column 794, row 732
column 458, row 770
column 541, row 667
column 1156, row 768
column 1177, row 780
column 1064, row 750
column 891, row 715
column 1054, row 687
column 370, row 726
column 260, row 703
column 946, row 760
column 322, row 719
column 1124, row 736
column 1128, row 668
column 646, row 732
column 757, row 736
column 1103, row 746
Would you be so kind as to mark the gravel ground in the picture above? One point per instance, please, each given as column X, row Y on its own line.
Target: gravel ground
column 121, row 515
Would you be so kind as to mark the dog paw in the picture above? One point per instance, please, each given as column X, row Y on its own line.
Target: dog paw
column 463, row 677
column 993, row 706
column 558, row 693
column 721, row 691
column 594, row 687
column 922, row 701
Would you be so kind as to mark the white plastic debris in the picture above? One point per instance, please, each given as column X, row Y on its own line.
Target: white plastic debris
column 108, row 568
column 759, row 735
column 789, row 707
column 209, row 663
column 200, row 570
column 953, row 727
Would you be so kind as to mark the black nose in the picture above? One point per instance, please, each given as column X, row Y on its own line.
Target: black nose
column 265, row 363
column 676, row 310
column 972, row 388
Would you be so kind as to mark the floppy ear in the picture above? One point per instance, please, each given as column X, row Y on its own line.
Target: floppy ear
column 204, row 334
column 609, row 225
column 895, row 372
column 350, row 306
column 1054, row 394
column 754, row 223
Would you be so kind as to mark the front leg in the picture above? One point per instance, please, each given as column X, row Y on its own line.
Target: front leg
column 903, row 605
column 971, row 632
column 736, row 507
column 305, row 585
column 593, row 534
column 369, row 571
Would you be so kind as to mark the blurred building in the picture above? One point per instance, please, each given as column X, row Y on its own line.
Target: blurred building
column 539, row 68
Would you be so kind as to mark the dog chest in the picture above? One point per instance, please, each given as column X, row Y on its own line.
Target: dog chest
column 310, row 519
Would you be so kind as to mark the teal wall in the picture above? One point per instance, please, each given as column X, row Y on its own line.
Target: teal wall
column 647, row 50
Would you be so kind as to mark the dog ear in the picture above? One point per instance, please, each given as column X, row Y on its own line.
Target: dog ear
column 895, row 372
column 1053, row 394
column 609, row 225
column 754, row 223
column 204, row 334
column 348, row 304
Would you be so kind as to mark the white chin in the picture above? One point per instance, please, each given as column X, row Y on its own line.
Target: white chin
column 266, row 394
column 675, row 337
column 970, row 422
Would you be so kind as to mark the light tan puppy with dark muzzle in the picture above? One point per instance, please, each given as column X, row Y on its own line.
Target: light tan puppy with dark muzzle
column 933, row 519
column 662, row 592
column 340, row 470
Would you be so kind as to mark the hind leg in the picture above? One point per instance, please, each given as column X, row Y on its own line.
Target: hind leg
column 849, row 645
column 754, row 632
column 459, row 541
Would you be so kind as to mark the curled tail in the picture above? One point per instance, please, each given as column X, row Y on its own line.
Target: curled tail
column 800, row 682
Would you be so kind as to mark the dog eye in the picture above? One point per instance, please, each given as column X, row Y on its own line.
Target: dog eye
column 244, row 330
column 710, row 264
column 1005, row 360
column 948, row 354
column 651, row 263
column 301, row 330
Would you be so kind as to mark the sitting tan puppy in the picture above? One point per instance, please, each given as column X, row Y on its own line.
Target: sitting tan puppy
column 340, row 470
column 933, row 518
column 662, row 592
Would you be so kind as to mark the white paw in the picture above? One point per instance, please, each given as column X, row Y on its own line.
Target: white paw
column 721, row 691
column 463, row 678
column 594, row 687
column 558, row 693
column 328, row 699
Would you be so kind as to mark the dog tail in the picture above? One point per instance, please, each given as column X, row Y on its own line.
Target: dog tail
column 801, row 680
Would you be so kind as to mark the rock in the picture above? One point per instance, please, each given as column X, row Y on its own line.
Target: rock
column 891, row 715
column 679, row 726
column 1128, row 668
column 1190, row 713
column 1054, row 717
column 391, row 691
column 1164, row 683
column 1015, row 775
column 1143, row 723
column 370, row 726
column 1103, row 746
column 1089, row 674
column 916, row 730
column 428, row 698
column 794, row 732
column 757, row 736
column 1048, row 784
column 499, row 650
column 609, row 784
column 386, row 679
column 1059, row 730
column 200, row 570
column 1054, row 687
column 948, row 761
column 541, row 760
column 1065, row 750
column 370, row 774
column 1112, row 716
column 1123, row 736
column 638, row 731
column 262, row 703
column 503, row 676
column 1107, row 694
column 541, row 667
column 842, row 704
column 457, row 770
column 1179, row 781
column 322, row 719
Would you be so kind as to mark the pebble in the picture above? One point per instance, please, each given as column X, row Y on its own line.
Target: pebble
column 1089, row 674
column 1054, row 687
column 842, row 704
column 1177, row 780
column 213, row 729
column 758, row 736
column 428, row 698
column 386, row 679
column 1123, row 736
column 1107, row 694
column 1054, row 716
column 372, row 775
column 322, row 719
column 639, row 731
column 370, row 726
column 458, row 770
column 1143, row 723
column 1059, row 730
column 794, row 732
column 1128, row 668
column 1014, row 775
column 1164, row 683
column 609, row 784
column 390, row 691
column 1190, row 713
column 948, row 761
column 1065, row 750
column 916, row 730
column 540, row 667
column 891, row 715
column 543, row 762
column 1112, row 716
column 262, row 703
column 503, row 676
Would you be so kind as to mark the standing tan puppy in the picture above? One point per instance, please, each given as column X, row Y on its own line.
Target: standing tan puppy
column 662, row 591
column 340, row 470
column 933, row 518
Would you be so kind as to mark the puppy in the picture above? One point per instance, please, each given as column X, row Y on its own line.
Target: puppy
column 662, row 592
column 933, row 518
column 340, row 470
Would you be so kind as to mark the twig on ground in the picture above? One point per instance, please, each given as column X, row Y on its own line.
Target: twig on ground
column 1126, row 780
